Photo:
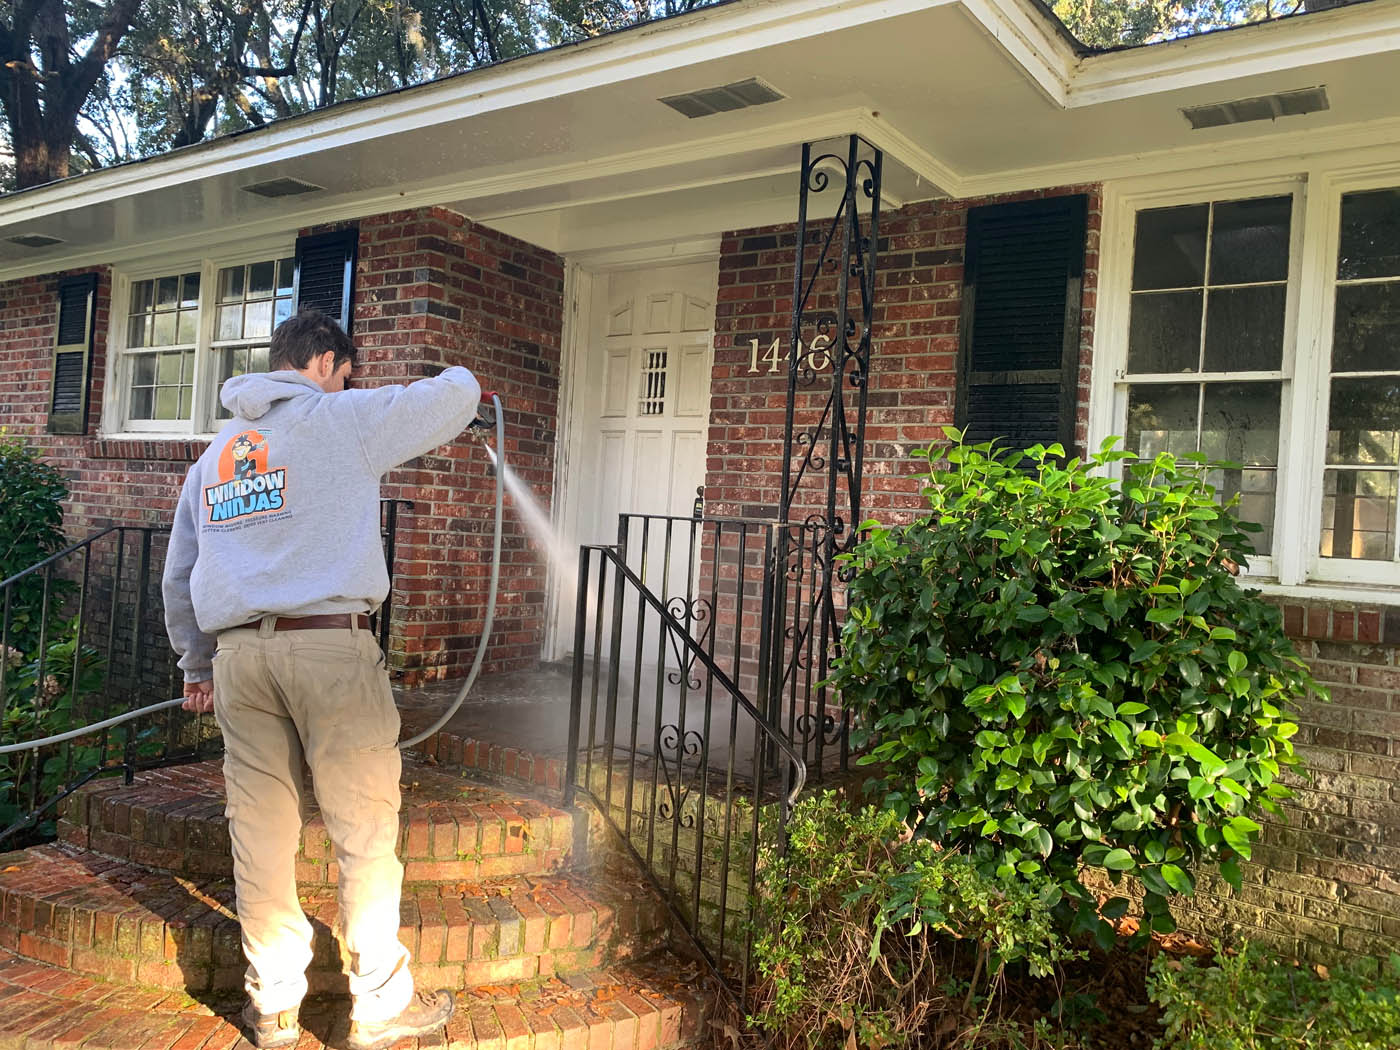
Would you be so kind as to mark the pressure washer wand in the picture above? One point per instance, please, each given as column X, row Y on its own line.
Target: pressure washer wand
column 488, row 416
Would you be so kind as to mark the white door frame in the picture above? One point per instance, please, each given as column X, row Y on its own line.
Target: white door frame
column 580, row 272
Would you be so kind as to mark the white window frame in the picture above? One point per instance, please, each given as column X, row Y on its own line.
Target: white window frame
column 1295, row 567
column 116, row 399
column 1337, row 570
column 1109, row 405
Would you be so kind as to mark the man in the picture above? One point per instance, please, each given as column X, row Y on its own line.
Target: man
column 268, row 581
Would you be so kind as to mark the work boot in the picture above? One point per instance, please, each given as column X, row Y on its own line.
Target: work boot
column 269, row 1031
column 424, row 1013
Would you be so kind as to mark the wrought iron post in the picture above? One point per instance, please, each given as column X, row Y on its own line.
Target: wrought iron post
column 833, row 304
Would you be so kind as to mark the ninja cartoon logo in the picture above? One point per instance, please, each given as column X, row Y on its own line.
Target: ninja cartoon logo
column 245, row 488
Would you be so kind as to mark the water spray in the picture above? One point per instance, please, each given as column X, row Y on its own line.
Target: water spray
column 489, row 417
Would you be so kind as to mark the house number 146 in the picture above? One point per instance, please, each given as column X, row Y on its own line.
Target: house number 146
column 819, row 358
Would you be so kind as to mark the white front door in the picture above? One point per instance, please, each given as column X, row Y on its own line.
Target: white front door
column 642, row 408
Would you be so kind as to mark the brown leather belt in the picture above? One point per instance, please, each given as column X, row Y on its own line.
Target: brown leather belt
column 324, row 622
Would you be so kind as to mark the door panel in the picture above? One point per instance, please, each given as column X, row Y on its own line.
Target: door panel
column 643, row 416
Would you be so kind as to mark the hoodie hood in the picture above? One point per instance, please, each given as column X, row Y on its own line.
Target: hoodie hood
column 250, row 396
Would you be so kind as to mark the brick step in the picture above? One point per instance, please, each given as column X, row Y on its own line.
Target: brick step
column 451, row 830
column 109, row 918
column 645, row 1006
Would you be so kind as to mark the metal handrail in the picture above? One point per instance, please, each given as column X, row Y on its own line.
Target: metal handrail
column 716, row 672
column 696, row 797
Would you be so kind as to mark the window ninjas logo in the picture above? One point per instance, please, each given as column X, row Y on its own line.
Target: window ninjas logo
column 246, row 487
column 234, row 499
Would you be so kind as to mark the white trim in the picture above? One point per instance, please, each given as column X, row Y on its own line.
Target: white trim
column 1296, row 567
column 578, row 299
column 695, row 249
column 662, row 46
column 1287, row 44
column 113, row 426
column 1357, row 594
column 1214, row 157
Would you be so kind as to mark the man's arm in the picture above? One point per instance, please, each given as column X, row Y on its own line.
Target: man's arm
column 195, row 648
column 397, row 423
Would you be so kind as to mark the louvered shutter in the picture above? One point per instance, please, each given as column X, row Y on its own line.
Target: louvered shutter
column 325, row 273
column 1019, row 357
column 72, row 355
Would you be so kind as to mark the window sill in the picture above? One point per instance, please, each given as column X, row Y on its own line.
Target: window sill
column 163, row 447
column 1356, row 593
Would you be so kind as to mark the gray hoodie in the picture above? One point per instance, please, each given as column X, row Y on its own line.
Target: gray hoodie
column 280, row 515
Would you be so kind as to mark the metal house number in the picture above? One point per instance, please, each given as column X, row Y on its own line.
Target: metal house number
column 818, row 358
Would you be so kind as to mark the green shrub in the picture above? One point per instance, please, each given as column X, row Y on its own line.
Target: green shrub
column 1250, row 1001
column 866, row 934
column 1057, row 671
column 44, row 698
column 31, row 528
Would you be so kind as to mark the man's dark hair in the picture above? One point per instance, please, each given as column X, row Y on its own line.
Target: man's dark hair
column 308, row 335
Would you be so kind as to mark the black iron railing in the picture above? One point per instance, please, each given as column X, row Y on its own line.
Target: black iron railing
column 758, row 597
column 82, row 639
column 681, row 764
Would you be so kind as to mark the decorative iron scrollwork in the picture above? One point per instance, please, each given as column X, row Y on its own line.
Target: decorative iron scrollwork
column 682, row 756
column 833, row 298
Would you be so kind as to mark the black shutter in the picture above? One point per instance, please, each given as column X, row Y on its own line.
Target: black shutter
column 1018, row 369
column 325, row 274
column 72, row 355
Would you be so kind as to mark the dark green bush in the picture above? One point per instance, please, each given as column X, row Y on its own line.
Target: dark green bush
column 1056, row 670
column 869, row 937
column 31, row 528
column 1251, row 1001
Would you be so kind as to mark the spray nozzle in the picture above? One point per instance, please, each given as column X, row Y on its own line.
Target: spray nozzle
column 486, row 411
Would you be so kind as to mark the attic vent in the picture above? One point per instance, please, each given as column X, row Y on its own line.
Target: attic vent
column 282, row 188
column 740, row 95
column 1262, row 107
column 34, row 240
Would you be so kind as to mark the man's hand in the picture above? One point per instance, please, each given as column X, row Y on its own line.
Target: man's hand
column 199, row 697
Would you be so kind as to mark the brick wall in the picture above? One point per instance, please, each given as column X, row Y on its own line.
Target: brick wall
column 913, row 361
column 432, row 290
column 435, row 290
column 1326, row 883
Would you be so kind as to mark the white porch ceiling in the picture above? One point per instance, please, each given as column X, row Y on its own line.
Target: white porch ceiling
column 572, row 150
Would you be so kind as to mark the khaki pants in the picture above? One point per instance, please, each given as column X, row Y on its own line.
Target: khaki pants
column 321, row 696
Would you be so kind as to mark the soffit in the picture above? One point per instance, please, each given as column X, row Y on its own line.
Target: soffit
column 968, row 97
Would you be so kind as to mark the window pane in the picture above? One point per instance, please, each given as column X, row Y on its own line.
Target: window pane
column 230, row 323
column 1244, row 329
column 257, row 320
column 260, row 279
column 286, row 269
column 1164, row 333
column 1170, row 250
column 167, row 402
column 168, row 369
column 230, row 283
column 141, row 402
column 1249, row 241
column 143, row 371
column 188, row 329
column 189, row 291
column 1366, row 333
column 1364, row 422
column 1162, row 419
column 167, row 293
column 284, row 311
column 164, row 333
column 136, row 331
column 1240, row 423
column 1358, row 514
column 1370, row 235
column 142, row 293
